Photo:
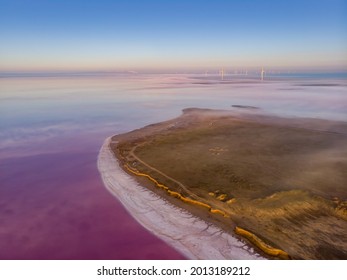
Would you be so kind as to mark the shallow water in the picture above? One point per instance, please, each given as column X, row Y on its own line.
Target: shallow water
column 52, row 202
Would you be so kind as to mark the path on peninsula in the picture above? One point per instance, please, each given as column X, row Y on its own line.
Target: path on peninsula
column 188, row 234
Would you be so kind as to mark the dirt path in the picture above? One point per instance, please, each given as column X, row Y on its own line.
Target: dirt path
column 191, row 194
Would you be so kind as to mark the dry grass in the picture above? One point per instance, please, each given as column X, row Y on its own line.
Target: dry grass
column 285, row 184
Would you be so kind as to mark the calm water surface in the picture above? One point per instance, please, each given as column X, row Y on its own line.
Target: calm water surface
column 53, row 204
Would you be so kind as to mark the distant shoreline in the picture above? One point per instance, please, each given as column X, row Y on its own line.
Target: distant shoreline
column 189, row 235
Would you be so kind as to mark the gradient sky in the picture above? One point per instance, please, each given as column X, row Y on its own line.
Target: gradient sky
column 140, row 34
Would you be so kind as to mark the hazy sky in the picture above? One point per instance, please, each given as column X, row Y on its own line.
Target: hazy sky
column 140, row 34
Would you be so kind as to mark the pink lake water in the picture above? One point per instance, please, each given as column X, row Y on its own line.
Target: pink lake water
column 53, row 204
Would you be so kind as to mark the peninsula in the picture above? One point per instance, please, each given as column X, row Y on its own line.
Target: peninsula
column 269, row 184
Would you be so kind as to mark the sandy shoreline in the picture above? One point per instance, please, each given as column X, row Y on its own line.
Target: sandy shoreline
column 189, row 235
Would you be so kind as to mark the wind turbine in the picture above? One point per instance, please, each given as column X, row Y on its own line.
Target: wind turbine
column 221, row 72
column 262, row 73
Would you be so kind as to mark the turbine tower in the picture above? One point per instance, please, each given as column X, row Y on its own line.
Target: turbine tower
column 262, row 73
column 221, row 72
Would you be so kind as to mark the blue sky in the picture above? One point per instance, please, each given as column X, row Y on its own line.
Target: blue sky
column 137, row 35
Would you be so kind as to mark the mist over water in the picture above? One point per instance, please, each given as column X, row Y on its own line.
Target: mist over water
column 52, row 201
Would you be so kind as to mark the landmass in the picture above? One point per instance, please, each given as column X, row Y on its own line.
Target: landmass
column 245, row 107
column 277, row 184
column 189, row 234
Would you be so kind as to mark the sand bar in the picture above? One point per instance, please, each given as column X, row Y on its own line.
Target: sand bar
column 193, row 237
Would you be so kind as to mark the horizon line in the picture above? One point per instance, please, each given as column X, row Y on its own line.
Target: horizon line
column 207, row 70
